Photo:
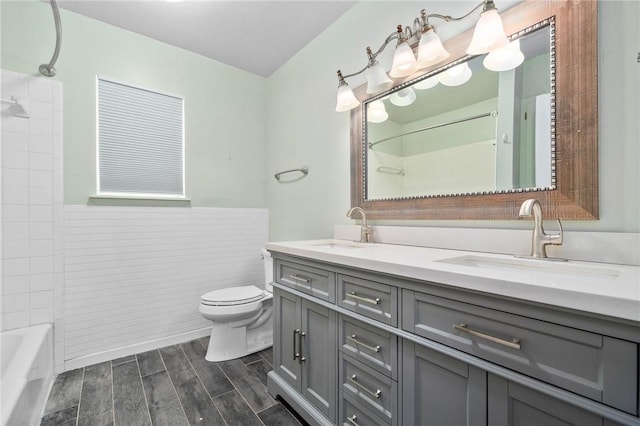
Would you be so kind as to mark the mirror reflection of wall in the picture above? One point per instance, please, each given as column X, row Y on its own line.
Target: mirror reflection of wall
column 468, row 130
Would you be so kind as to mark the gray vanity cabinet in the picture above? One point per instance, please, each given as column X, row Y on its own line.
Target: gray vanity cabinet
column 305, row 349
column 439, row 390
column 356, row 347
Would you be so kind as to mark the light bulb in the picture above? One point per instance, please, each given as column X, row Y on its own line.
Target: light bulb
column 505, row 58
column 427, row 83
column 430, row 50
column 403, row 97
column 455, row 76
column 488, row 34
column 377, row 80
column 404, row 61
column 376, row 112
column 346, row 100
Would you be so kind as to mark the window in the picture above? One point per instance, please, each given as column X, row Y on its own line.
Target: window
column 140, row 142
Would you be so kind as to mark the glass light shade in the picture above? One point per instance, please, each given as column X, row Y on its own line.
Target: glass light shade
column 377, row 79
column 505, row 58
column 404, row 61
column 427, row 83
column 403, row 97
column 488, row 34
column 456, row 76
column 376, row 112
column 346, row 100
column 430, row 50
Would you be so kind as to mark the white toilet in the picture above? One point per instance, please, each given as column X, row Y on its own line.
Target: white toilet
column 242, row 320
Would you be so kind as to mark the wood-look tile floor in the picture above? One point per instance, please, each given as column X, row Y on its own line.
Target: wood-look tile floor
column 172, row 386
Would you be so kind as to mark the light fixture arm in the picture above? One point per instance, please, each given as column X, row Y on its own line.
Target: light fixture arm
column 420, row 25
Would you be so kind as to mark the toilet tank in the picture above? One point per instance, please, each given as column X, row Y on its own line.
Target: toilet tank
column 268, row 270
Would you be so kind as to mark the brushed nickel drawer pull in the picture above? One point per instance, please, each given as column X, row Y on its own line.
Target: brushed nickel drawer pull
column 353, row 295
column 355, row 340
column 301, row 334
column 300, row 278
column 514, row 343
column 353, row 419
column 296, row 354
column 354, row 381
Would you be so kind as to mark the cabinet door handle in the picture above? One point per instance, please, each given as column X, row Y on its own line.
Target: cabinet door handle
column 300, row 278
column 353, row 295
column 355, row 340
column 514, row 343
column 354, row 381
column 296, row 354
column 301, row 358
column 353, row 419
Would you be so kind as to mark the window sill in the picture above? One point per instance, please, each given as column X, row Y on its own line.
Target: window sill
column 137, row 200
column 137, row 197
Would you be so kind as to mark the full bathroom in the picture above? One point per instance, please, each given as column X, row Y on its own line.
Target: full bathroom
column 295, row 250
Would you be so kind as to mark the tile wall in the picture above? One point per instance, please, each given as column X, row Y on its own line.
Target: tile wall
column 134, row 275
column 32, row 257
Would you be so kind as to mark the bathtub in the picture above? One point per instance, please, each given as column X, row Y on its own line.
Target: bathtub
column 26, row 374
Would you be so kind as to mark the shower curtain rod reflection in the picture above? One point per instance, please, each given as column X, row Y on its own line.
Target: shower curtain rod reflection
column 47, row 69
column 435, row 126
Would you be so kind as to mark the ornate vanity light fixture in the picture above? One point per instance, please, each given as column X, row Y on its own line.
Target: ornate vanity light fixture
column 488, row 37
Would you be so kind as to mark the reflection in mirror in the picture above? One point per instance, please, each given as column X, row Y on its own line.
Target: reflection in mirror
column 464, row 129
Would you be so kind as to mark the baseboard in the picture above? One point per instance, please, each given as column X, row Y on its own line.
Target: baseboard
column 83, row 361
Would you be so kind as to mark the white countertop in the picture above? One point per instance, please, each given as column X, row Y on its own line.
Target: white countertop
column 606, row 289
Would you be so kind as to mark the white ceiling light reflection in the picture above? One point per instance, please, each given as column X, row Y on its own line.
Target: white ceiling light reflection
column 504, row 58
column 455, row 76
column 403, row 97
column 427, row 83
column 376, row 112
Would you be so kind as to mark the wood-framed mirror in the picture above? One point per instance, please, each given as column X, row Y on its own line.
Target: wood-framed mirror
column 574, row 126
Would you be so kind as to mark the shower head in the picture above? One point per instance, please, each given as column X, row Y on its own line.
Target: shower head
column 15, row 108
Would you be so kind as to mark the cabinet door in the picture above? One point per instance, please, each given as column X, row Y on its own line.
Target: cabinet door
column 511, row 404
column 439, row 390
column 319, row 352
column 287, row 313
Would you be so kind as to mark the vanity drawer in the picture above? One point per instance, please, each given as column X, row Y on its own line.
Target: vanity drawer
column 377, row 393
column 375, row 348
column 352, row 413
column 314, row 281
column 369, row 298
column 598, row 367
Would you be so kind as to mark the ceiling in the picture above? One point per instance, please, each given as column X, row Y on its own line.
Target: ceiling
column 255, row 36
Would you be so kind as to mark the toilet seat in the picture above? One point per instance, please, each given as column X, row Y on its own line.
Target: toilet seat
column 232, row 296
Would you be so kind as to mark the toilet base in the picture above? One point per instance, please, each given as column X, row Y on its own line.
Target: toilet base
column 228, row 343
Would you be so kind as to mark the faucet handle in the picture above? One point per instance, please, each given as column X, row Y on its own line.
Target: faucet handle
column 560, row 236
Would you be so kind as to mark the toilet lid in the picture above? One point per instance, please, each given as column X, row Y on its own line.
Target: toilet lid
column 232, row 296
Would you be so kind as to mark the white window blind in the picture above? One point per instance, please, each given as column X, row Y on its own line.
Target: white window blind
column 140, row 141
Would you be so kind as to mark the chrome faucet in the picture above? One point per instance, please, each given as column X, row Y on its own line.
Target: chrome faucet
column 365, row 230
column 540, row 240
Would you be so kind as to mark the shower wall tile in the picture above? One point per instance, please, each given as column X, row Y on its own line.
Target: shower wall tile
column 14, row 213
column 12, row 141
column 14, row 285
column 41, row 282
column 15, row 249
column 16, row 320
column 31, row 150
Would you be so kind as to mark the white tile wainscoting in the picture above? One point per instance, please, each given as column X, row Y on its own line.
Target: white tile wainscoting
column 134, row 275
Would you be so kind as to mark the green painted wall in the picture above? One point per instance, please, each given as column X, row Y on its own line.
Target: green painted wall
column 225, row 108
column 232, row 117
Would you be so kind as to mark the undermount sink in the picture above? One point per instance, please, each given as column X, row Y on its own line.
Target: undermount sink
column 339, row 244
column 535, row 265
